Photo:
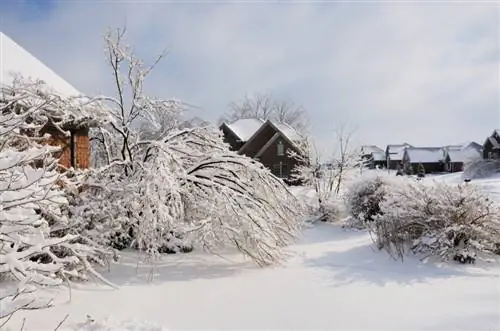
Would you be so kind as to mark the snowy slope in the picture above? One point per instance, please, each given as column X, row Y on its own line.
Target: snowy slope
column 334, row 280
column 15, row 60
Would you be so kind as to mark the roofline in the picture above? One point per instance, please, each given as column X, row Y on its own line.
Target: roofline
column 262, row 128
column 254, row 135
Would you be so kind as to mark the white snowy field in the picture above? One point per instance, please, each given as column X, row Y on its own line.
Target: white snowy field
column 333, row 280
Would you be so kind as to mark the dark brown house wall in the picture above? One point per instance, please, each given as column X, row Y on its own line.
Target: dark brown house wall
column 429, row 167
column 393, row 164
column 273, row 161
column 256, row 144
column 489, row 152
column 455, row 166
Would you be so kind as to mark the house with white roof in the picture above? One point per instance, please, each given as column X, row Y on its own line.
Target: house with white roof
column 491, row 146
column 457, row 156
column 373, row 156
column 394, row 155
column 16, row 62
column 431, row 158
column 268, row 141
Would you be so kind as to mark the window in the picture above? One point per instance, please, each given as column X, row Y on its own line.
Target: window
column 280, row 170
column 281, row 148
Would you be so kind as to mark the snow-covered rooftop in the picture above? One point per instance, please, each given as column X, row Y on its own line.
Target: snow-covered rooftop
column 245, row 128
column 369, row 149
column 15, row 60
column 378, row 156
column 424, row 154
column 289, row 132
column 463, row 155
column 396, row 152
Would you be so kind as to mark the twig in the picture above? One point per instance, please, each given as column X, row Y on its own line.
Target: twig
column 61, row 322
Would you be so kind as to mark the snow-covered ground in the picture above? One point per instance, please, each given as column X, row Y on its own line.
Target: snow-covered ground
column 334, row 280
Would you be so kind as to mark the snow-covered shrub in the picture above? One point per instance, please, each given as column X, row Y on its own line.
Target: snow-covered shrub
column 363, row 198
column 448, row 221
column 169, row 187
column 37, row 245
column 480, row 168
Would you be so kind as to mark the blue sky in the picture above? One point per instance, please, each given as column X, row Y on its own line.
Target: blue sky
column 425, row 74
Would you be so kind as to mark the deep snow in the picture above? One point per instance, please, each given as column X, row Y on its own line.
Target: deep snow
column 334, row 280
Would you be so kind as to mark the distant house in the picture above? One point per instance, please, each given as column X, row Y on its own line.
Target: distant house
column 14, row 60
column 373, row 156
column 456, row 156
column 432, row 158
column 237, row 133
column 491, row 146
column 394, row 155
column 269, row 142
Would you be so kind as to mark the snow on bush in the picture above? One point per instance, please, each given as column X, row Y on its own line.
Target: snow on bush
column 37, row 246
column 363, row 197
column 447, row 221
column 481, row 168
column 169, row 187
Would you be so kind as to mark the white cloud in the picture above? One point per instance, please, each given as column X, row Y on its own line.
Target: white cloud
column 425, row 74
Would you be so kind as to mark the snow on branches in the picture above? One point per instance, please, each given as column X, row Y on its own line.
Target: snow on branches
column 36, row 245
column 165, row 187
column 427, row 219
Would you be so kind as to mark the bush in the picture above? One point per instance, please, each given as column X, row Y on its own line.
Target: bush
column 481, row 168
column 363, row 199
column 452, row 222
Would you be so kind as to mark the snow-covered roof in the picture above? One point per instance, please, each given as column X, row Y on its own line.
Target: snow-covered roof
column 15, row 61
column 369, row 149
column 424, row 154
column 396, row 152
column 378, row 156
column 289, row 132
column 463, row 155
column 245, row 128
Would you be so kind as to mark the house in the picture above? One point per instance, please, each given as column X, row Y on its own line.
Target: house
column 237, row 133
column 373, row 156
column 457, row 156
column 269, row 142
column 394, row 155
column 16, row 61
column 491, row 146
column 432, row 159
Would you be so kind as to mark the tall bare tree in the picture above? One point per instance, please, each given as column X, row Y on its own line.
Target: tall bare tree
column 266, row 106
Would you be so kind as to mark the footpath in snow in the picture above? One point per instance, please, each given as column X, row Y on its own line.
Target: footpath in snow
column 334, row 280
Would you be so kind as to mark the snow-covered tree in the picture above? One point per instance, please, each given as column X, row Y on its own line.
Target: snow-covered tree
column 37, row 247
column 328, row 179
column 153, row 190
column 267, row 107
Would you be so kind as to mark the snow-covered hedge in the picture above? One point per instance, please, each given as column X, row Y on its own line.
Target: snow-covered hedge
column 447, row 221
column 453, row 222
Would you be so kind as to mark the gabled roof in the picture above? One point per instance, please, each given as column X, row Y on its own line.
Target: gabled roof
column 285, row 130
column 16, row 61
column 396, row 152
column 463, row 155
column 424, row 154
column 369, row 149
column 244, row 128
